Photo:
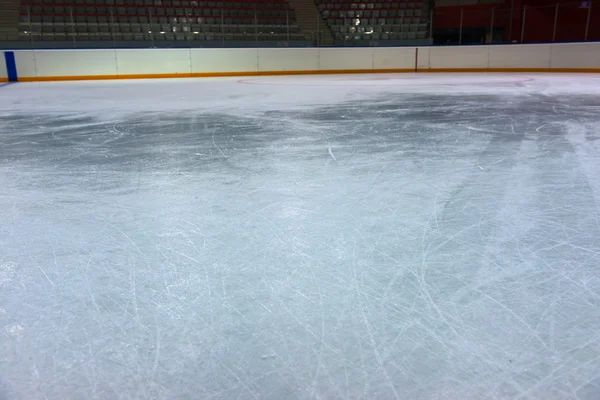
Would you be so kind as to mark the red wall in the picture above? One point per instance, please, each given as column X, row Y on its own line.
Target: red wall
column 539, row 19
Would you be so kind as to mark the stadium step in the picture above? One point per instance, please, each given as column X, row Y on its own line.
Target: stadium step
column 311, row 22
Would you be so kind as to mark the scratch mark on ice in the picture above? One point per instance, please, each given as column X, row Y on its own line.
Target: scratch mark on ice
column 218, row 148
column 156, row 349
column 43, row 272
column 213, row 141
column 331, row 152
column 472, row 128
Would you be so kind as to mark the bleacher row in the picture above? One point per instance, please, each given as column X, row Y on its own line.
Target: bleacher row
column 157, row 20
column 376, row 19
column 217, row 20
column 156, row 31
column 145, row 19
column 108, row 33
column 387, row 32
column 237, row 4
column 369, row 6
column 373, row 13
column 156, row 10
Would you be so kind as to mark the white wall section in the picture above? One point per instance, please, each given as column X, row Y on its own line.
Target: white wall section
column 539, row 57
column 423, row 60
column 461, row 57
column 224, row 60
column 3, row 72
column 26, row 64
column 575, row 55
column 94, row 64
column 144, row 62
column 65, row 63
column 288, row 59
column 346, row 58
column 520, row 56
column 394, row 58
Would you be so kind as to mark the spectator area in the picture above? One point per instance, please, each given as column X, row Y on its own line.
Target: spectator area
column 376, row 20
column 157, row 20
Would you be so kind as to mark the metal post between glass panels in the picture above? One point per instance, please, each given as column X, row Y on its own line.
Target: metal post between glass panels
column 73, row 27
column 318, row 31
column 30, row 28
column 187, row 30
column 222, row 30
column 555, row 22
column 287, row 23
column 492, row 27
column 255, row 28
column 431, row 24
column 510, row 26
column 112, row 29
column 462, row 12
column 150, row 27
column 587, row 22
column 523, row 23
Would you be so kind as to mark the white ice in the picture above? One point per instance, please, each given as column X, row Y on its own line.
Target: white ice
column 430, row 236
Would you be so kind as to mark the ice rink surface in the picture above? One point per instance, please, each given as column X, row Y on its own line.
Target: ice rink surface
column 359, row 237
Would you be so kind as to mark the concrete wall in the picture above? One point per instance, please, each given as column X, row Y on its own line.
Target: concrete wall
column 147, row 63
column 3, row 73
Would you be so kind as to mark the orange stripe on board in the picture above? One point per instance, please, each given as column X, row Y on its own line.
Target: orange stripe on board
column 577, row 70
column 97, row 77
column 207, row 75
column 3, row 79
column 303, row 72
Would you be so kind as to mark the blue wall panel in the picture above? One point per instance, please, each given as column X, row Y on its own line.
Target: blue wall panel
column 11, row 66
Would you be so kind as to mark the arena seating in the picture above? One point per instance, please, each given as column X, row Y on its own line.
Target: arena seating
column 158, row 20
column 359, row 20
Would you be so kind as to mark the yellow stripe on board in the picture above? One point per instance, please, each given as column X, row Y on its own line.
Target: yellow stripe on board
column 274, row 73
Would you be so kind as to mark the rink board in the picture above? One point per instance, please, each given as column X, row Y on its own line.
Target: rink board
column 56, row 65
column 3, row 69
